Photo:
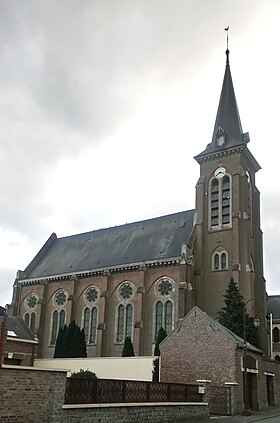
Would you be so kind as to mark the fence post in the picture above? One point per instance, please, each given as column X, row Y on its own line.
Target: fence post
column 232, row 397
column 205, row 391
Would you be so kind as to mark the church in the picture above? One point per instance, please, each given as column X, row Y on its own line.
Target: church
column 132, row 279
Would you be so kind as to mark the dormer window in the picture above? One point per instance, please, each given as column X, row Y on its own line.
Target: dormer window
column 220, row 137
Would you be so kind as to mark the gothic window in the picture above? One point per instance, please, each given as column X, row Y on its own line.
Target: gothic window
column 159, row 317
column 220, row 260
column 225, row 200
column 220, row 200
column 26, row 318
column 275, row 335
column 168, row 316
column 124, row 322
column 86, row 322
column 32, row 322
column 215, row 202
column 54, row 327
column 90, row 324
column 163, row 316
column 93, row 325
column 58, row 321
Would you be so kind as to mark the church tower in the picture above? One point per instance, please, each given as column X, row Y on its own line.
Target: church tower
column 228, row 236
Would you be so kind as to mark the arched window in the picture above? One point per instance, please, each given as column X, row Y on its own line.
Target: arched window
column 216, row 261
column 220, row 200
column 120, row 334
column 86, row 323
column 90, row 324
column 225, row 200
column 26, row 318
column 128, row 322
column 61, row 318
column 224, row 264
column 93, row 325
column 159, row 316
column 32, row 322
column 54, row 327
column 215, row 202
column 275, row 334
column 163, row 316
column 219, row 260
column 124, row 322
column 168, row 316
column 58, row 321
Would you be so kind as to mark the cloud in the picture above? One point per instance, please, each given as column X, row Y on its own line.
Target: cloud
column 104, row 99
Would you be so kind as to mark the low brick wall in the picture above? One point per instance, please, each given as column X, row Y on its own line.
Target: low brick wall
column 136, row 413
column 32, row 395
column 29, row 395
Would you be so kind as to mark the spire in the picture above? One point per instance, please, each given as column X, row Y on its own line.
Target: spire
column 227, row 119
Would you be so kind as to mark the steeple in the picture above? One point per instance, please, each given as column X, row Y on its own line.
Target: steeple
column 227, row 121
column 227, row 132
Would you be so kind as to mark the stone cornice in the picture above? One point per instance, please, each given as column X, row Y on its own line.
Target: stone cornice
column 173, row 261
column 218, row 154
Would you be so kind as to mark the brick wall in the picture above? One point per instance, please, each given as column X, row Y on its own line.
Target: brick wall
column 31, row 395
column 138, row 414
column 24, row 351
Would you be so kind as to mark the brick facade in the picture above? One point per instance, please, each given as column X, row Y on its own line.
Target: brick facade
column 200, row 348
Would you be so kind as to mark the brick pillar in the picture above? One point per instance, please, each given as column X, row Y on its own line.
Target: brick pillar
column 58, row 393
column 232, row 397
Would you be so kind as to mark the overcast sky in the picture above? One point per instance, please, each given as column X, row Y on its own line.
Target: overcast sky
column 103, row 105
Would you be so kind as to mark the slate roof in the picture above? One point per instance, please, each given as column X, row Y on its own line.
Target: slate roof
column 17, row 328
column 157, row 239
column 273, row 307
column 239, row 341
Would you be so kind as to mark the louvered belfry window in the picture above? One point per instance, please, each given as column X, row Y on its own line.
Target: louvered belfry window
column 220, row 202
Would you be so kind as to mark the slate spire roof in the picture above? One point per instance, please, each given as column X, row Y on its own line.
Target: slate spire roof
column 228, row 132
column 228, row 118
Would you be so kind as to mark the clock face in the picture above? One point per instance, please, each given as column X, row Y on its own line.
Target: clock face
column 220, row 172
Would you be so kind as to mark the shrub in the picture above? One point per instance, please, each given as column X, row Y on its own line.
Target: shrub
column 84, row 374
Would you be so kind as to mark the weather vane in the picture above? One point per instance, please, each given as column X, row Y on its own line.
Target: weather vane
column 227, row 50
column 226, row 29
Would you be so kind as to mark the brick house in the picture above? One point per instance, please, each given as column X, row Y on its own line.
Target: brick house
column 200, row 348
column 18, row 344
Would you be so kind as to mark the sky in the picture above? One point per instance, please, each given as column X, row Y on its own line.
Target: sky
column 104, row 104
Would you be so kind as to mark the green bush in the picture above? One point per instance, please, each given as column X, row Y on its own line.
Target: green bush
column 84, row 374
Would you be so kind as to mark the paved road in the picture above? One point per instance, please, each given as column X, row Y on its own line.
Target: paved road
column 269, row 415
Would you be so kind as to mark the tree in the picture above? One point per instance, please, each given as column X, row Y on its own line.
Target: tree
column 160, row 337
column 128, row 350
column 59, row 350
column 70, row 342
column 232, row 315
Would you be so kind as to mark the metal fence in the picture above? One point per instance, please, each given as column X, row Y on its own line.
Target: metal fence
column 92, row 391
